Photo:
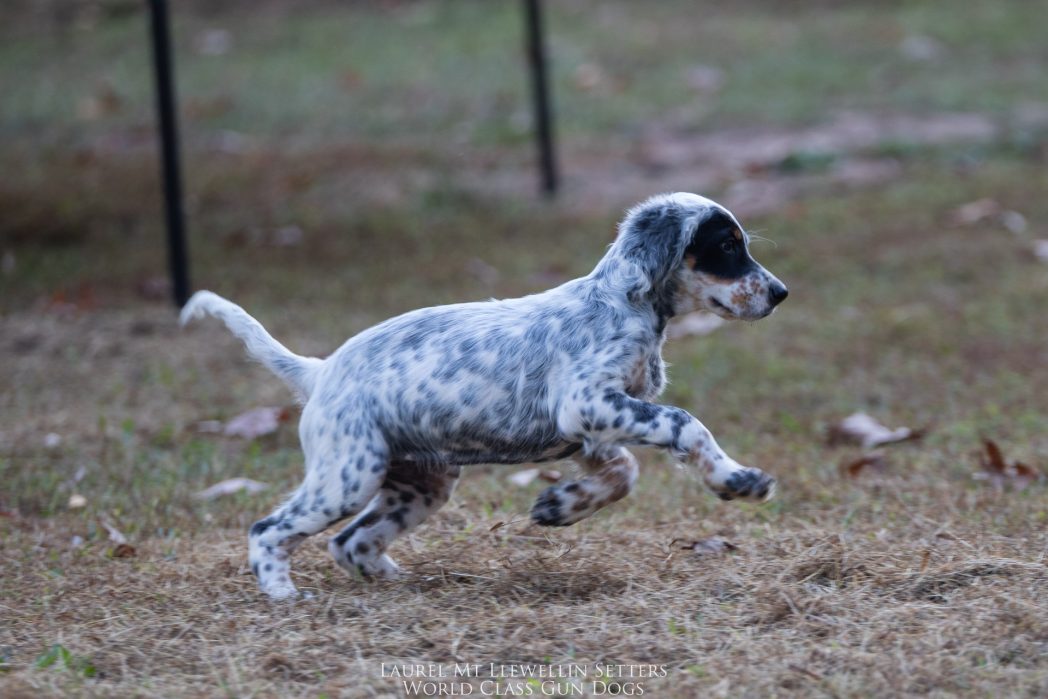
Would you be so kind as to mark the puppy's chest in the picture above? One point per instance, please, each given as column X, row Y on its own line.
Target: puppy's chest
column 646, row 376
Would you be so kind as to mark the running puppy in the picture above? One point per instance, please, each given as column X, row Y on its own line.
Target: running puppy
column 392, row 416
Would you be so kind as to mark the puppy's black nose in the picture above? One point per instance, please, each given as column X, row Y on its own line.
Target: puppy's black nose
column 777, row 293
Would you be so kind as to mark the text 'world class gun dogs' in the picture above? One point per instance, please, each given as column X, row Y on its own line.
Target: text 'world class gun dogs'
column 390, row 418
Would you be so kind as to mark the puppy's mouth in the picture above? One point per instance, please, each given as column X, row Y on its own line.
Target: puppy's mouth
column 724, row 311
column 721, row 309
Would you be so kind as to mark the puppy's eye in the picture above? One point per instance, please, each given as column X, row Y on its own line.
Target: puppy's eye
column 728, row 246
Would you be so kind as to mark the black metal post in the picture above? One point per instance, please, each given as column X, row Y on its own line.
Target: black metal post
column 170, row 171
column 536, row 48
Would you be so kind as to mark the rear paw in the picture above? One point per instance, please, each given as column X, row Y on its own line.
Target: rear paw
column 746, row 484
column 280, row 590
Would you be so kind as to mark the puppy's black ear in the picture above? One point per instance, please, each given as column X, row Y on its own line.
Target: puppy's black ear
column 654, row 239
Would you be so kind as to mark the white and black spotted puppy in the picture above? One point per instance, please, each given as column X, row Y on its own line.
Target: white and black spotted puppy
column 393, row 414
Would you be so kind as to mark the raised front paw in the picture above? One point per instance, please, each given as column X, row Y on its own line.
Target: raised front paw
column 745, row 484
column 550, row 508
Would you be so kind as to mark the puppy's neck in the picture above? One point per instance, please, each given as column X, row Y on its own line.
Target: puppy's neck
column 624, row 281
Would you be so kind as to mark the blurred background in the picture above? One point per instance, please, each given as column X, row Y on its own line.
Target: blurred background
column 324, row 139
column 346, row 161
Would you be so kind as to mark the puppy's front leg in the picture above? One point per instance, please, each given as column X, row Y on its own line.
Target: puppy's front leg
column 615, row 418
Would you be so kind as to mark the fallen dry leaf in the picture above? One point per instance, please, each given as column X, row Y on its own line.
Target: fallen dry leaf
column 230, row 486
column 115, row 535
column 997, row 469
column 77, row 501
column 712, row 546
column 694, row 324
column 256, row 422
column 523, row 478
column 1040, row 249
column 988, row 210
column 865, row 431
column 122, row 551
column 975, row 211
column 874, row 460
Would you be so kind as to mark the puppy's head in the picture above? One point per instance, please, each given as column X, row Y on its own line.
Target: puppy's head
column 694, row 254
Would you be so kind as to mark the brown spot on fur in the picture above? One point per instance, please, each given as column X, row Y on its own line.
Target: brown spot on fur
column 582, row 504
column 620, row 488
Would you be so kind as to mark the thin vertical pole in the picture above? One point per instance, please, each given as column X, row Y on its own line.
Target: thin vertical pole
column 170, row 170
column 536, row 49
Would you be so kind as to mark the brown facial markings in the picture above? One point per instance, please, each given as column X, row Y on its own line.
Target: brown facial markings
column 737, row 233
column 739, row 296
column 714, row 280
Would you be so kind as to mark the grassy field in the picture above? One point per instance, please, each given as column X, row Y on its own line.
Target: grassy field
column 349, row 162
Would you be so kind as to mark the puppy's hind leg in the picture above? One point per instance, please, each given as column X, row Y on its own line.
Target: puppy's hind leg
column 339, row 483
column 612, row 473
column 408, row 496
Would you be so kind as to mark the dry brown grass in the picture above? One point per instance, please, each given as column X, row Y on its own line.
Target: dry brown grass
column 895, row 604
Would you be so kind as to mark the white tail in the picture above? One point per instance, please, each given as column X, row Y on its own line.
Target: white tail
column 298, row 372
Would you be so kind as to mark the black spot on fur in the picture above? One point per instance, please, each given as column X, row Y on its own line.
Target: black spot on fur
column 547, row 509
column 365, row 521
column 397, row 516
column 748, row 482
column 644, row 412
column 259, row 528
